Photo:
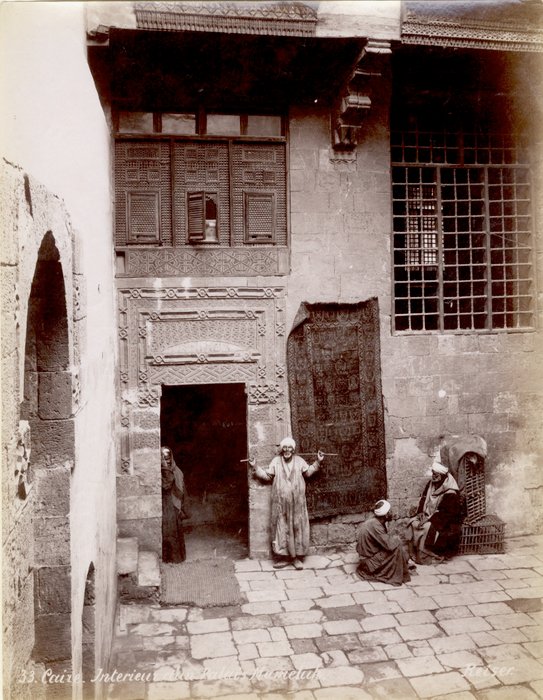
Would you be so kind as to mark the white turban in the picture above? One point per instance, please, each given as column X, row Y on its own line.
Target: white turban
column 439, row 468
column 381, row 508
column 287, row 442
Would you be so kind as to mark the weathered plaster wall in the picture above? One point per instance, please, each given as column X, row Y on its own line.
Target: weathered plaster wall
column 488, row 384
column 371, row 18
column 55, row 133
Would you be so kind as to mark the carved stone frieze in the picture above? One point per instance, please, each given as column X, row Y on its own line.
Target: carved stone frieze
column 186, row 335
column 148, row 398
column 501, row 26
column 202, row 374
column 76, row 391
column 189, row 293
column 282, row 19
column 125, row 413
column 79, row 297
column 169, row 336
column 222, row 262
column 264, row 393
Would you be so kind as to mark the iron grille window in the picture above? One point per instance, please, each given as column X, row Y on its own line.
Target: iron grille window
column 462, row 232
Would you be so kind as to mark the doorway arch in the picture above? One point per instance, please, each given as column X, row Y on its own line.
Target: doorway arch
column 47, row 408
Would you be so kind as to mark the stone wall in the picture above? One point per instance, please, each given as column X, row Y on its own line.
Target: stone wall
column 55, row 202
column 433, row 385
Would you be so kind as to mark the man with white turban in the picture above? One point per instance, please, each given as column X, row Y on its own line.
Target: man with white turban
column 382, row 555
column 435, row 530
column 289, row 517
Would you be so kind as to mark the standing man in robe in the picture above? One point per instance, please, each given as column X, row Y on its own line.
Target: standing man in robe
column 382, row 555
column 435, row 530
column 173, row 509
column 289, row 516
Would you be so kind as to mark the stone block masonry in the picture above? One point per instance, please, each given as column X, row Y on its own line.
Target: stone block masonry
column 340, row 648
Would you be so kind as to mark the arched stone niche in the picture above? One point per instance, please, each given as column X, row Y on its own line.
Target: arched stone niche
column 40, row 394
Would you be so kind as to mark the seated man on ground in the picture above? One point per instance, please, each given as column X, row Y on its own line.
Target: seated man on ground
column 434, row 532
column 382, row 555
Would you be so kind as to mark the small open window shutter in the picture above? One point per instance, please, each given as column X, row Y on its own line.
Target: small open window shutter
column 196, row 215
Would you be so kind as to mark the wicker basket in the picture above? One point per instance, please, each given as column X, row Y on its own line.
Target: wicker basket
column 483, row 535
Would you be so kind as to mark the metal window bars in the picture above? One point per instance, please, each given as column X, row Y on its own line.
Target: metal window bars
column 462, row 232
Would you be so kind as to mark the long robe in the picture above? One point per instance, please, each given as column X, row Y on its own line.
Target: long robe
column 382, row 556
column 440, row 510
column 289, row 517
column 173, row 498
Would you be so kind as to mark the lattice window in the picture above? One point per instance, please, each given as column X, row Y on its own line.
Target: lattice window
column 259, row 217
column 462, row 232
column 421, row 244
column 259, row 199
column 142, row 193
column 143, row 217
column 229, row 193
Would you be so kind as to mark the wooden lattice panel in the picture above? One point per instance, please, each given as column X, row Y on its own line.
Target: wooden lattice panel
column 259, row 193
column 142, row 193
column 201, row 167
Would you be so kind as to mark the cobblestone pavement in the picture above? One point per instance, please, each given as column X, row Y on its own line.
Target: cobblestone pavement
column 467, row 628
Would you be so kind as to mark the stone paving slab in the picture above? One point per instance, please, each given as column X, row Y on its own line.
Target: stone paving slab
column 467, row 629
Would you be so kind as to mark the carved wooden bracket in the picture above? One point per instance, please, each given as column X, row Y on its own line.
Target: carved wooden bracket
column 355, row 103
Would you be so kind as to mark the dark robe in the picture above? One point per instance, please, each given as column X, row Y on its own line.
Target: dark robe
column 382, row 556
column 445, row 523
column 435, row 530
column 173, row 497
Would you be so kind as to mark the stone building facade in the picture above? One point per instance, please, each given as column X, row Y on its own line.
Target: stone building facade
column 359, row 182
column 289, row 129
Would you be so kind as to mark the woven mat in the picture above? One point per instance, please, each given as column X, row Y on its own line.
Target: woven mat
column 205, row 583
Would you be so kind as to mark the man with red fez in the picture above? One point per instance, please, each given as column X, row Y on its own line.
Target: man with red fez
column 382, row 555
column 289, row 516
column 434, row 532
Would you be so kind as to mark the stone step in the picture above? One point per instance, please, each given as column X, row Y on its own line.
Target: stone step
column 148, row 569
column 127, row 555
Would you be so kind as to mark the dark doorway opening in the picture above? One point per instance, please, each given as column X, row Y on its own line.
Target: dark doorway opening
column 205, row 425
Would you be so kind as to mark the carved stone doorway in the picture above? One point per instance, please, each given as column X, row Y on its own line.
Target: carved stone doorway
column 205, row 425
